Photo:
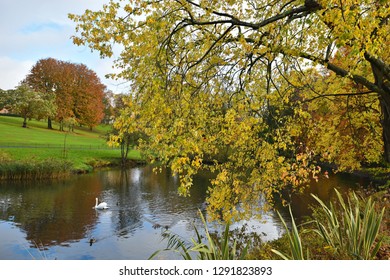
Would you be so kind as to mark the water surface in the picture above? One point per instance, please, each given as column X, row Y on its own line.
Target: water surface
column 55, row 220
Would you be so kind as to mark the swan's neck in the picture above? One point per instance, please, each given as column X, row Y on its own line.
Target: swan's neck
column 96, row 202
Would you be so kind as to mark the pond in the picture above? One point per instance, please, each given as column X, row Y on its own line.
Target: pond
column 55, row 220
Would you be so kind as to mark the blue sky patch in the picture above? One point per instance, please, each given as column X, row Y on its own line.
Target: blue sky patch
column 39, row 27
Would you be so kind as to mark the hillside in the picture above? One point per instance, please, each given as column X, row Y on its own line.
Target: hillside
column 84, row 148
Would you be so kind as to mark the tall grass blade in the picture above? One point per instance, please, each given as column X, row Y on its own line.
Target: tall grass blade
column 212, row 249
column 353, row 228
column 296, row 249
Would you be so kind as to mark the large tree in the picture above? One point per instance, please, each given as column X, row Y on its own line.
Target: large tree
column 227, row 82
column 88, row 94
column 78, row 90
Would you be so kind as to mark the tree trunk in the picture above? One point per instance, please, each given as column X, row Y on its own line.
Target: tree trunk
column 385, row 106
column 381, row 73
column 49, row 126
column 24, row 122
column 125, row 147
column 123, row 153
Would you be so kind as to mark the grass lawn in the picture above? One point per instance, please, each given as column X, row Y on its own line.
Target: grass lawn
column 12, row 132
column 83, row 147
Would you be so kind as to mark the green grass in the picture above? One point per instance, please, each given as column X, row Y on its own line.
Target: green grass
column 84, row 148
column 37, row 133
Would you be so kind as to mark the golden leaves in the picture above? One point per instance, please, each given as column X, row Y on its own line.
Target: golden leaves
column 206, row 89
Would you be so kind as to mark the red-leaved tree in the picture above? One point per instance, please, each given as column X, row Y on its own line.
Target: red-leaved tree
column 78, row 90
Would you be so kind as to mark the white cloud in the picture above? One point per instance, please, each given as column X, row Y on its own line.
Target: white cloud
column 12, row 72
column 32, row 30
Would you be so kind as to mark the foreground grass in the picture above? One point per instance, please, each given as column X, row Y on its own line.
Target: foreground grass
column 340, row 231
column 81, row 150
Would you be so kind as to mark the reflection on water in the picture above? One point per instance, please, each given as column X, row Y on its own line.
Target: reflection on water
column 57, row 217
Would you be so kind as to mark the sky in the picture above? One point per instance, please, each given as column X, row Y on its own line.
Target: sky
column 31, row 30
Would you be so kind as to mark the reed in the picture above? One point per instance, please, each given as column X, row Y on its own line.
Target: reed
column 295, row 243
column 351, row 228
column 208, row 248
column 34, row 169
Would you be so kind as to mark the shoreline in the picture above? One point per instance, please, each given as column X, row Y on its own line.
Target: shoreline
column 379, row 177
column 52, row 168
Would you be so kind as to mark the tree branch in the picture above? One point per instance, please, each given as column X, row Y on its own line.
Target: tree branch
column 308, row 7
column 342, row 72
column 379, row 64
column 338, row 94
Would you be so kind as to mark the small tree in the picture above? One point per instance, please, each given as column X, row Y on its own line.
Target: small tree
column 108, row 103
column 4, row 99
column 125, row 134
column 30, row 104
column 125, row 140
column 70, row 123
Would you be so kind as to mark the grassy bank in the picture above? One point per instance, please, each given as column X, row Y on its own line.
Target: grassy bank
column 33, row 169
column 36, row 148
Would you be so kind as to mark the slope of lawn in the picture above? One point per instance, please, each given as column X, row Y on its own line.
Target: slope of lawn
column 84, row 148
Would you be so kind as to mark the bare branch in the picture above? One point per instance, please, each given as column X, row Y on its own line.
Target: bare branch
column 338, row 95
column 212, row 46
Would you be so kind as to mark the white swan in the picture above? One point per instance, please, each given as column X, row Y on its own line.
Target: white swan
column 101, row 206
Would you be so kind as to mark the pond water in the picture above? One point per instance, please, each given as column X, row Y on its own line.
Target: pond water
column 55, row 220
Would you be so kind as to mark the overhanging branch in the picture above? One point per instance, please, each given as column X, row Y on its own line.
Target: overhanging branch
column 309, row 7
column 342, row 72
column 338, row 94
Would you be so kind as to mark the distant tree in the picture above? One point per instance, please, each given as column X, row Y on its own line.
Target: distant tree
column 77, row 89
column 43, row 77
column 125, row 134
column 108, row 103
column 3, row 98
column 119, row 104
column 65, row 93
column 125, row 137
column 30, row 104
column 88, row 96
column 70, row 123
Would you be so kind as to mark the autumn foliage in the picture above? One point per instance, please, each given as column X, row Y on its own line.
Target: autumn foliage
column 78, row 90
column 258, row 92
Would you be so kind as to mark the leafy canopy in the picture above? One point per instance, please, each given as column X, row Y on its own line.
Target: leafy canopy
column 28, row 103
column 77, row 89
column 232, row 86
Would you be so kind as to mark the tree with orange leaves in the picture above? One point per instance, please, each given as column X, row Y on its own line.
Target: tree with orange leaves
column 78, row 90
